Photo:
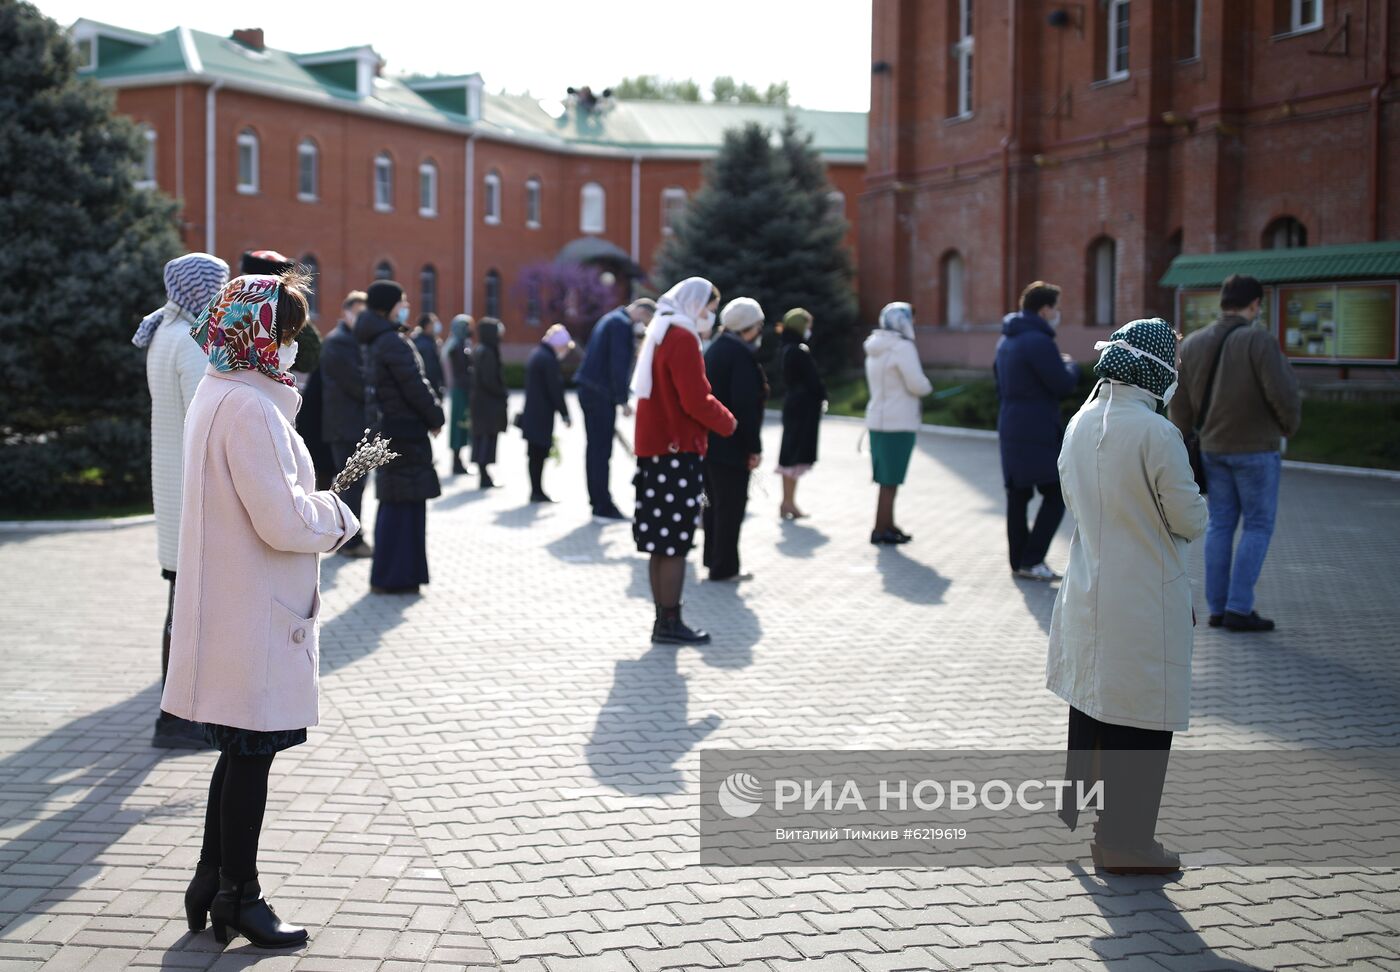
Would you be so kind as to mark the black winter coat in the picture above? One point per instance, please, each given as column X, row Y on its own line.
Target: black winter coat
column 401, row 405
column 342, row 387
column 1031, row 379
column 544, row 396
column 736, row 379
column 802, row 408
column 488, row 402
column 431, row 354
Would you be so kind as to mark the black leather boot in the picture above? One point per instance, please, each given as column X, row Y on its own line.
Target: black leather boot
column 669, row 629
column 200, row 894
column 1152, row 858
column 240, row 908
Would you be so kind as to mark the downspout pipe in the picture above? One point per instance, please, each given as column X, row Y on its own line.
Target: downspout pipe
column 636, row 209
column 210, row 167
column 469, row 230
column 1377, row 107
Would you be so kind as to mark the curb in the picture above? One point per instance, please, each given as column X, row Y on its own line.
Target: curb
column 74, row 526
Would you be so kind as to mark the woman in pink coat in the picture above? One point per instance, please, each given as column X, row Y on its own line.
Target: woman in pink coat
column 243, row 648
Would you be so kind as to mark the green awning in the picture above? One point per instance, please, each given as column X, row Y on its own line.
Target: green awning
column 1347, row 261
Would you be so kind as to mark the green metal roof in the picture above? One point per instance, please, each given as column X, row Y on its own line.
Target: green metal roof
column 1346, row 261
column 628, row 126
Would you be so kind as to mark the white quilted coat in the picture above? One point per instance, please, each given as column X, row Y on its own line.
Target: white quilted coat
column 174, row 366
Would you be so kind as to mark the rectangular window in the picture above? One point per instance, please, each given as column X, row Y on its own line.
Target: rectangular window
column 1186, row 28
column 307, row 190
column 532, row 204
column 247, row 163
column 1306, row 15
column 491, row 212
column 383, row 184
column 1117, row 40
column 87, row 54
column 962, row 56
column 427, row 190
column 146, row 177
column 672, row 209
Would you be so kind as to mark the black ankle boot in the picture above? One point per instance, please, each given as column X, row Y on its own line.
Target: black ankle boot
column 200, row 894
column 239, row 907
column 669, row 629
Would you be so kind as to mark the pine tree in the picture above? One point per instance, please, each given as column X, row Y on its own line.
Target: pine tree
column 81, row 253
column 760, row 227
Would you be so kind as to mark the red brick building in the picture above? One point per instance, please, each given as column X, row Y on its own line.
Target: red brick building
column 1090, row 143
column 452, row 191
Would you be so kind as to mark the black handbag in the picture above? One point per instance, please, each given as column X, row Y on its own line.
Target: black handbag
column 1193, row 441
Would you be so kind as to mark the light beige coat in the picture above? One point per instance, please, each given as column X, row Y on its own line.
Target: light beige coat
column 244, row 644
column 1121, row 635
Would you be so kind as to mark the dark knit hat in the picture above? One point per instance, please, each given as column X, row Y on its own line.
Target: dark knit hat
column 382, row 295
column 268, row 262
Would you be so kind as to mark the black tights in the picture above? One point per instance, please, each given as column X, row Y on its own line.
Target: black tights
column 667, row 579
column 538, row 454
column 233, row 819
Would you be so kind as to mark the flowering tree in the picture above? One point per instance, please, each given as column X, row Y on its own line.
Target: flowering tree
column 574, row 295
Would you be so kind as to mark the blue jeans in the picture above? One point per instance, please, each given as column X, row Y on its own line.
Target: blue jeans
column 1241, row 485
column 599, row 420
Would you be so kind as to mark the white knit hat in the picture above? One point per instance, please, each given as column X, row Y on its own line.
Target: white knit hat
column 740, row 314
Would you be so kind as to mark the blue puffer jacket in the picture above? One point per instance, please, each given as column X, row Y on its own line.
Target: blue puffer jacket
column 1031, row 380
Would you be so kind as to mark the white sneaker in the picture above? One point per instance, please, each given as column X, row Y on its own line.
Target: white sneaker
column 1039, row 572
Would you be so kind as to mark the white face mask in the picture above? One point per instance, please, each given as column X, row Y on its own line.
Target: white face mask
column 1136, row 352
column 286, row 355
column 1052, row 317
column 705, row 325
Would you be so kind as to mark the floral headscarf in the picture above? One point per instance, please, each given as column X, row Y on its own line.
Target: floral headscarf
column 191, row 282
column 898, row 317
column 237, row 329
column 1141, row 353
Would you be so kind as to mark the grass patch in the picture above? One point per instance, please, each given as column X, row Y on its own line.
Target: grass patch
column 94, row 513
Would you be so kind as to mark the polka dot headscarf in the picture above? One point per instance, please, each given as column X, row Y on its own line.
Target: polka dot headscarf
column 1155, row 339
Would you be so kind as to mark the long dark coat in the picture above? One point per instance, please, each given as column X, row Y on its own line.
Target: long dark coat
column 802, row 408
column 544, row 396
column 402, row 406
column 489, row 394
column 343, row 386
column 1031, row 380
column 736, row 380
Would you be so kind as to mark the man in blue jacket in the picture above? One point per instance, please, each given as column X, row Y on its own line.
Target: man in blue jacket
column 1032, row 377
column 603, row 380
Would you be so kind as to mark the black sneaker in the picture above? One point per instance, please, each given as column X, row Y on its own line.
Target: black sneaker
column 540, row 498
column 1246, row 622
column 669, row 629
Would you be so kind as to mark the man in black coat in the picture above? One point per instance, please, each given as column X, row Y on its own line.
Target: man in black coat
column 544, row 397
column 343, row 404
column 736, row 379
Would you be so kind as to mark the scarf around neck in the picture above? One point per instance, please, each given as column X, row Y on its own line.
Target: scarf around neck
column 236, row 330
column 682, row 306
column 191, row 282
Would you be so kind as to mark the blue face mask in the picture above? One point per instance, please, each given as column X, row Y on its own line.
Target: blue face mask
column 402, row 315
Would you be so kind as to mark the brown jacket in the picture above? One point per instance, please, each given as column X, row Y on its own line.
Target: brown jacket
column 1256, row 393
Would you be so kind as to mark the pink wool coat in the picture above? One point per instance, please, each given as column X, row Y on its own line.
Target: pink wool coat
column 244, row 643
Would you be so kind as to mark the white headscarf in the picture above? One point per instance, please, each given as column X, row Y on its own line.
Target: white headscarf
column 684, row 305
column 898, row 317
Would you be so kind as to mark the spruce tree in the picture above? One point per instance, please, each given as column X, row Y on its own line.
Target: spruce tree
column 82, row 251
column 760, row 228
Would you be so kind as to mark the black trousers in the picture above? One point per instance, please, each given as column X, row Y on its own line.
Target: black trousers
column 1028, row 547
column 722, row 519
column 1132, row 763
column 234, row 817
column 599, row 423
column 538, row 454
column 354, row 494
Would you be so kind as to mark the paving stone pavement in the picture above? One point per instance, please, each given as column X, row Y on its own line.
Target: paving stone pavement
column 506, row 769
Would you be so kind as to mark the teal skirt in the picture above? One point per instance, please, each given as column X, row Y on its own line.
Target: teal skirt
column 889, row 456
column 459, row 434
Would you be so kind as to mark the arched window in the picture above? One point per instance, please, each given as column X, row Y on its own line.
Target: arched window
column 383, row 182
column 247, row 161
column 1103, row 281
column 428, row 189
column 491, row 211
column 384, row 270
column 146, row 175
column 673, row 199
column 953, row 277
column 308, row 171
column 427, row 285
column 493, row 294
column 312, row 267
column 835, row 204
column 1285, row 233
column 593, row 202
column 533, row 312
column 532, row 203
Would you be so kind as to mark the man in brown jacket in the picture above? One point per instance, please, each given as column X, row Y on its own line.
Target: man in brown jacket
column 1254, row 402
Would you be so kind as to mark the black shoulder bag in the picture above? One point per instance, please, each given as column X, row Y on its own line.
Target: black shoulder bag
column 1193, row 441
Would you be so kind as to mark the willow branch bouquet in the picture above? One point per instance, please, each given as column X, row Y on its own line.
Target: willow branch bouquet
column 369, row 455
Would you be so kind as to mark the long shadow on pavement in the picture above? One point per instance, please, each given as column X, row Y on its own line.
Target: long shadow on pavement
column 800, row 540
column 909, row 579
column 359, row 629
column 1040, row 600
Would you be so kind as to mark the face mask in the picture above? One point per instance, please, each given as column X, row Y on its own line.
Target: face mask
column 1053, row 319
column 757, row 341
column 402, row 315
column 437, row 328
column 1136, row 352
column 705, row 325
column 286, row 354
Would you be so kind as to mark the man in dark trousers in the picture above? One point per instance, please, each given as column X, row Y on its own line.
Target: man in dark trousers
column 1032, row 377
column 602, row 379
column 736, row 379
column 343, row 405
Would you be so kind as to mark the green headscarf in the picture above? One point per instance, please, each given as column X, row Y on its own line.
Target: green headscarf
column 798, row 321
column 1141, row 353
column 461, row 332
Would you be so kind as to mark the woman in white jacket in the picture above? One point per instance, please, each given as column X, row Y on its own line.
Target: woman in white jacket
column 1120, row 637
column 896, row 381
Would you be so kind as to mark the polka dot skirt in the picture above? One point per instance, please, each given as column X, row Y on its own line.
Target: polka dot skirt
column 670, row 494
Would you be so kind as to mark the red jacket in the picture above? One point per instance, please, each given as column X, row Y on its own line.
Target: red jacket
column 681, row 412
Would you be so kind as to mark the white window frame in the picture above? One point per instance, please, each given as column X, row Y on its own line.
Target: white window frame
column 534, row 202
column 384, row 265
column 384, row 162
column 1118, row 17
column 491, row 204
column 307, row 149
column 248, row 139
column 835, row 204
column 312, row 265
column 670, row 197
column 955, row 296
column 962, row 59
column 592, row 196
column 1105, row 282
column 88, row 44
column 1195, row 32
column 147, row 178
column 1295, row 20
column 428, row 179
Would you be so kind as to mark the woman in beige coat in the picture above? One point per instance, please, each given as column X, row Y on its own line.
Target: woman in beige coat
column 243, row 648
column 1120, row 638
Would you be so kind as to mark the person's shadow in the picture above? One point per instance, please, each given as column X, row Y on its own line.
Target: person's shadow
column 360, row 628
column 457, row 498
column 909, row 579
column 1040, row 600
column 643, row 728
column 520, row 517
column 800, row 540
